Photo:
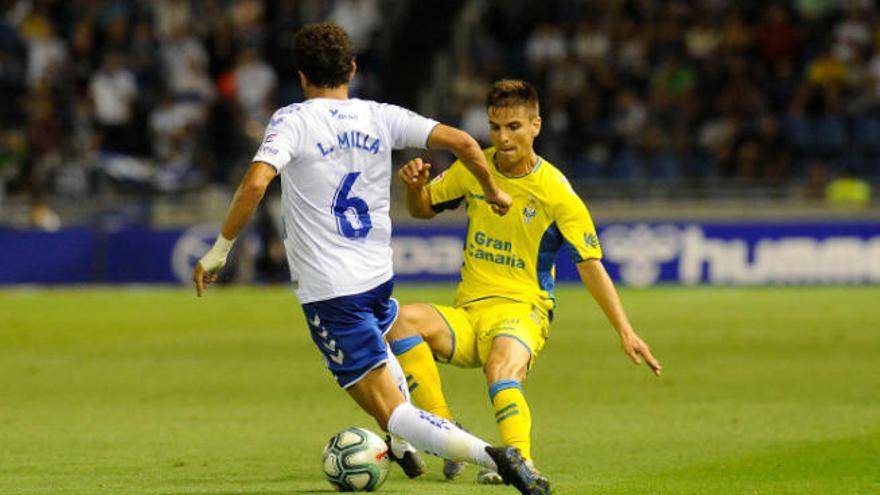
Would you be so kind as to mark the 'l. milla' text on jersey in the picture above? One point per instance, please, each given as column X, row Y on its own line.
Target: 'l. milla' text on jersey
column 514, row 256
column 334, row 158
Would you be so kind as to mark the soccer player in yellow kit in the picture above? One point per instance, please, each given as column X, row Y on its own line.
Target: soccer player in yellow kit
column 504, row 303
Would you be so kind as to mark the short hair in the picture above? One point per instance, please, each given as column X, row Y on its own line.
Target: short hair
column 324, row 53
column 508, row 93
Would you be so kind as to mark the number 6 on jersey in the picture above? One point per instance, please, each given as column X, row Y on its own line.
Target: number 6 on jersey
column 348, row 208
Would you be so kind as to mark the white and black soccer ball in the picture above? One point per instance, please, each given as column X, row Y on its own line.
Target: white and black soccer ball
column 355, row 460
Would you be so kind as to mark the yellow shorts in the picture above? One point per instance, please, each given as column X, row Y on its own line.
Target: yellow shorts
column 476, row 325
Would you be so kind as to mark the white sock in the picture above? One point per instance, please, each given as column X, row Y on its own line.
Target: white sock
column 399, row 446
column 438, row 436
column 397, row 373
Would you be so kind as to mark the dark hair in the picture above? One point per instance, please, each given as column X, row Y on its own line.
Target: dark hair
column 508, row 93
column 324, row 53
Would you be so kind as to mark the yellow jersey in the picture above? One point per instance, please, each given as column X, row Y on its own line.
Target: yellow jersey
column 514, row 256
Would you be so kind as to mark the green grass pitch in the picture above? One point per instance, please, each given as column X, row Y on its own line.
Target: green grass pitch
column 140, row 391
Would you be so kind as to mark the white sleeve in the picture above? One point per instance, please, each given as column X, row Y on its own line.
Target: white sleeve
column 406, row 128
column 280, row 141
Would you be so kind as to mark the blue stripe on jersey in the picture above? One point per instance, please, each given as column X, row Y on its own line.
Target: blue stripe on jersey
column 547, row 252
column 447, row 205
column 572, row 251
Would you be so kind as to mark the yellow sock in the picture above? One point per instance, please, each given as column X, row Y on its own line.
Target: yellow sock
column 512, row 415
column 422, row 377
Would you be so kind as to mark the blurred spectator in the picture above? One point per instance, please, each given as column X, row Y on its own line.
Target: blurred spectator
column 852, row 34
column 47, row 54
column 171, row 16
column 545, row 46
column 172, row 124
column 632, row 49
column 184, row 63
column 114, row 90
column 248, row 23
column 702, row 40
column 827, row 70
column 360, row 18
column 629, row 115
column 591, row 43
column 42, row 217
column 777, row 37
column 255, row 80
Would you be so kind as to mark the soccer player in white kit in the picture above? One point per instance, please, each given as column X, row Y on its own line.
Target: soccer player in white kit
column 333, row 154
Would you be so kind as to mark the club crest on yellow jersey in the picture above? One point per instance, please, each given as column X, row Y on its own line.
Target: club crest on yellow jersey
column 530, row 210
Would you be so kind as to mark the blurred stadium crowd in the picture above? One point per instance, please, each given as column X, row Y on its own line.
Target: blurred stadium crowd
column 171, row 95
column 163, row 95
column 705, row 90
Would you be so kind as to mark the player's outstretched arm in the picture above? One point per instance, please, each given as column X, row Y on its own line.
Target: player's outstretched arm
column 601, row 287
column 248, row 196
column 466, row 149
column 414, row 174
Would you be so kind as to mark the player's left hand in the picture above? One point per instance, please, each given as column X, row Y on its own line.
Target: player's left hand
column 500, row 202
column 636, row 348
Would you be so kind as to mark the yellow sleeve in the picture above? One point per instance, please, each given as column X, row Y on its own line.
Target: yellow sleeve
column 574, row 222
column 449, row 189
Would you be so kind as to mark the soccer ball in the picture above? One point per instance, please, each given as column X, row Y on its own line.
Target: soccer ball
column 355, row 460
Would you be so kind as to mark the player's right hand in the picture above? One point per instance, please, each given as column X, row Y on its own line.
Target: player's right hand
column 415, row 173
column 636, row 348
column 206, row 271
column 500, row 202
column 210, row 264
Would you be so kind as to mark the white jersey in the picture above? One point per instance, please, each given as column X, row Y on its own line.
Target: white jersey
column 334, row 158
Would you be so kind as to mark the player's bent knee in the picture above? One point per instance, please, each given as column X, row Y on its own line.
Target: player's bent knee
column 409, row 321
column 422, row 320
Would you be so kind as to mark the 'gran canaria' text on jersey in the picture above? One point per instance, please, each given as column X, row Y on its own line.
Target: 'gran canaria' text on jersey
column 497, row 251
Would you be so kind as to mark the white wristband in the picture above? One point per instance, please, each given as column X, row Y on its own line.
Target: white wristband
column 222, row 245
column 215, row 258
